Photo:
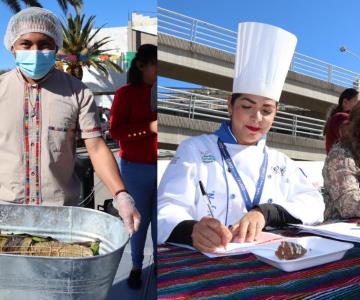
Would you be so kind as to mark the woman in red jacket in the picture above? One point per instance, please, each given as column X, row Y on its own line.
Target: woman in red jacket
column 338, row 115
column 134, row 125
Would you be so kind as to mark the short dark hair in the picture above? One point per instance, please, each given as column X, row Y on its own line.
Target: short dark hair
column 146, row 54
column 346, row 94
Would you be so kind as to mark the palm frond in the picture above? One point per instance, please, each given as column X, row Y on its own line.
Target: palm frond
column 14, row 5
column 98, row 66
column 77, row 4
column 86, row 30
column 113, row 66
column 64, row 4
column 95, row 33
column 98, row 45
column 32, row 3
column 79, row 35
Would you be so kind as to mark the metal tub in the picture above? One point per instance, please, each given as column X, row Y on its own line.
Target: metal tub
column 30, row 278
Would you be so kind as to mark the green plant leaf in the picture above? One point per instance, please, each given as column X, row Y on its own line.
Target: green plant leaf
column 95, row 247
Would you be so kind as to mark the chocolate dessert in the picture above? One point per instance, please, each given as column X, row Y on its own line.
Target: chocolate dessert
column 289, row 250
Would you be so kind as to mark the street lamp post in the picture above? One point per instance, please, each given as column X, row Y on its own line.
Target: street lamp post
column 344, row 49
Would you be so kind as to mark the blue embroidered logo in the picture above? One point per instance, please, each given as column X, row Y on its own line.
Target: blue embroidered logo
column 207, row 157
column 211, row 196
column 279, row 170
column 283, row 170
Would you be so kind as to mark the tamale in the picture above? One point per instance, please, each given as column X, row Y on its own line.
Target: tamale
column 59, row 249
column 17, row 244
column 25, row 244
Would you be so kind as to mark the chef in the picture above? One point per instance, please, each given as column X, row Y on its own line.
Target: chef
column 227, row 186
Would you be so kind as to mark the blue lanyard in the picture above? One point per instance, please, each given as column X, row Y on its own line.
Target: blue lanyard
column 259, row 185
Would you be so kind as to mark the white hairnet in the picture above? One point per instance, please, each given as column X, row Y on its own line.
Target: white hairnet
column 33, row 19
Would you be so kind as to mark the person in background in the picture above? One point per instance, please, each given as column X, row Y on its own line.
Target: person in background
column 341, row 172
column 41, row 109
column 227, row 186
column 134, row 125
column 338, row 116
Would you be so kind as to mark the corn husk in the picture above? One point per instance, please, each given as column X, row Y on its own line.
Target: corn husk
column 25, row 244
column 59, row 249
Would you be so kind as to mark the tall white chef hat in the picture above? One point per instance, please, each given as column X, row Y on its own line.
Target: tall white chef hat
column 263, row 57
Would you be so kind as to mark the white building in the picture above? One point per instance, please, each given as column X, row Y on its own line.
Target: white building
column 124, row 41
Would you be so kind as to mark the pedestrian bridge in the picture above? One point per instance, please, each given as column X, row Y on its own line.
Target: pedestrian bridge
column 196, row 51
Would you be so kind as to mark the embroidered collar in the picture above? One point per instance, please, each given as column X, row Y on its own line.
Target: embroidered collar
column 225, row 133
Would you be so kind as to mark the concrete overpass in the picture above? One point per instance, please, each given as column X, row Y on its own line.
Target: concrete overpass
column 174, row 129
column 192, row 62
column 142, row 29
column 196, row 51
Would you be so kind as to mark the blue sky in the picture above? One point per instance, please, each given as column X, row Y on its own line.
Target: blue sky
column 113, row 13
column 322, row 26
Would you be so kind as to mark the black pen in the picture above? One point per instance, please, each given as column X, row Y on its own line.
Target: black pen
column 206, row 198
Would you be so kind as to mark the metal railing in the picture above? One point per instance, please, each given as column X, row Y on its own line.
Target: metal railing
column 204, row 107
column 201, row 32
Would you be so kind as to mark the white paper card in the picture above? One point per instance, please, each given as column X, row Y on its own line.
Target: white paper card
column 240, row 248
column 341, row 230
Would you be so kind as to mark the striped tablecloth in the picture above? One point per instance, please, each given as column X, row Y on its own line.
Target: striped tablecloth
column 186, row 274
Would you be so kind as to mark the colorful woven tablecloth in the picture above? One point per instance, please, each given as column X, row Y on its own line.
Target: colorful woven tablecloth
column 186, row 274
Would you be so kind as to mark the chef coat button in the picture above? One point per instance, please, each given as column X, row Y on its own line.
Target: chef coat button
column 32, row 173
column 232, row 196
column 32, row 144
column 270, row 201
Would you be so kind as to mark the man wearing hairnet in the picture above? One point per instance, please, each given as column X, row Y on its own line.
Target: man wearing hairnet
column 41, row 108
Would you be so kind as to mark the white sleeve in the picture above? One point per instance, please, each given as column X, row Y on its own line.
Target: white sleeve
column 177, row 190
column 304, row 201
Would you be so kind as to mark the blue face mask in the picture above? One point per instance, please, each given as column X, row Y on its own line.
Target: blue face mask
column 35, row 63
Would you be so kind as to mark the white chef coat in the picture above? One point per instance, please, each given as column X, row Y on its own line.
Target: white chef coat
column 199, row 158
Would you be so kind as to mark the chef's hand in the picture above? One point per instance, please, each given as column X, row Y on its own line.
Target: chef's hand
column 125, row 204
column 249, row 227
column 209, row 234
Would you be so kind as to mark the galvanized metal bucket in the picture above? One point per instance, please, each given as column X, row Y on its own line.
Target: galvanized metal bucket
column 58, row 278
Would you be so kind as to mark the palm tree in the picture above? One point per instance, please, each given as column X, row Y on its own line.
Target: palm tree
column 80, row 42
column 15, row 5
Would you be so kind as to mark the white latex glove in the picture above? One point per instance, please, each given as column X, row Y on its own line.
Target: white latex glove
column 125, row 204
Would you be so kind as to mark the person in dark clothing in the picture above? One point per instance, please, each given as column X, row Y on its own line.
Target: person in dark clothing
column 134, row 125
column 338, row 115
